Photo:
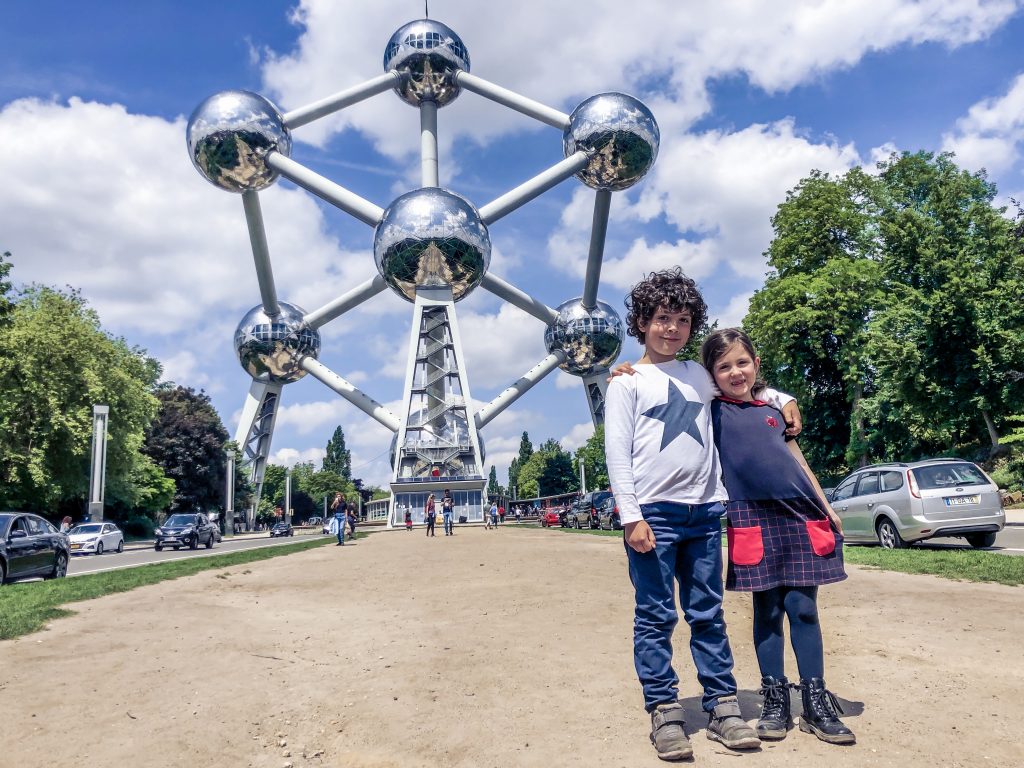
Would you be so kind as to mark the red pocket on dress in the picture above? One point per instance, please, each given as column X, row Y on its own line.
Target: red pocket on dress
column 745, row 545
column 823, row 540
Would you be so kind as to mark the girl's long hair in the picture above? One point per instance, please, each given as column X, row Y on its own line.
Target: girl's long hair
column 718, row 342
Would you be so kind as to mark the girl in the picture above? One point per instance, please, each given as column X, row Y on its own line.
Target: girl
column 431, row 515
column 408, row 519
column 784, row 538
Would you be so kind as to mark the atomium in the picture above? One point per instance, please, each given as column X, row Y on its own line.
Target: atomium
column 620, row 134
column 591, row 339
column 229, row 137
column 271, row 348
column 431, row 238
column 428, row 55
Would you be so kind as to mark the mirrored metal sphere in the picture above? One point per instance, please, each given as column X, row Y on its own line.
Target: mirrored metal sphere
column 428, row 238
column 620, row 133
column 229, row 136
column 591, row 339
column 427, row 54
column 269, row 348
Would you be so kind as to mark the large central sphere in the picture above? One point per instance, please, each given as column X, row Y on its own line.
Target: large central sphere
column 428, row 55
column 621, row 135
column 431, row 238
column 229, row 136
column 270, row 348
column 591, row 339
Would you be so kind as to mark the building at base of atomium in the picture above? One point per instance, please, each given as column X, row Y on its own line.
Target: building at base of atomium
column 432, row 247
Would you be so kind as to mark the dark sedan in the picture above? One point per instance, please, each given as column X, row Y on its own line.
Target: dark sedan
column 30, row 546
column 282, row 529
column 185, row 530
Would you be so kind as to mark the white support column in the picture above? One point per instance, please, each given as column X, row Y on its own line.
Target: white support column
column 539, row 184
column 428, row 144
column 287, row 496
column 518, row 298
column 98, row 472
column 260, row 252
column 340, row 100
column 229, row 493
column 254, row 435
column 360, row 400
column 486, row 414
column 324, row 188
column 512, row 100
column 596, row 386
column 345, row 302
column 598, row 230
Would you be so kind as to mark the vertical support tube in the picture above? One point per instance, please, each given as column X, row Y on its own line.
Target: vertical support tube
column 428, row 144
column 98, row 473
column 287, row 496
column 260, row 253
column 229, row 493
column 598, row 230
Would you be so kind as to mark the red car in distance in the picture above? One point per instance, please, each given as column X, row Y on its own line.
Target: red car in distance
column 549, row 518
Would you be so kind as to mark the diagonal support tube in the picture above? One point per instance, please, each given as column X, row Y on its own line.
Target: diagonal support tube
column 512, row 100
column 486, row 414
column 539, row 184
column 598, row 230
column 517, row 298
column 260, row 252
column 345, row 302
column 336, row 195
column 340, row 100
column 360, row 400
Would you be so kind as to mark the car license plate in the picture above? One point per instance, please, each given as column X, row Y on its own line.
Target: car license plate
column 76, row 546
column 961, row 501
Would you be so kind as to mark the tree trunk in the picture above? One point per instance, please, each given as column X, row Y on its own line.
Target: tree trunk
column 993, row 435
column 858, row 421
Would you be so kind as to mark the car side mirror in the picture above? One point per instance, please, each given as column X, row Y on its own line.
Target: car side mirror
column 17, row 534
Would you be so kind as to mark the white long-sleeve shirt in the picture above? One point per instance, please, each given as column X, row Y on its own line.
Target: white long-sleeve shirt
column 658, row 438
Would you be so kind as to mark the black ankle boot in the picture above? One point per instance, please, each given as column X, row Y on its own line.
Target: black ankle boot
column 775, row 717
column 821, row 713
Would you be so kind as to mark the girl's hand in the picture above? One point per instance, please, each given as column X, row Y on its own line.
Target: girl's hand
column 639, row 536
column 791, row 415
column 836, row 522
column 625, row 369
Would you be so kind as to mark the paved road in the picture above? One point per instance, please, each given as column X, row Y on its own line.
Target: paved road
column 1010, row 541
column 136, row 555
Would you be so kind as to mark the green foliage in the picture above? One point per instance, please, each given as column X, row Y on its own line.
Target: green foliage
column 6, row 305
column 591, row 454
column 56, row 362
column 338, row 459
column 493, row 489
column 548, row 470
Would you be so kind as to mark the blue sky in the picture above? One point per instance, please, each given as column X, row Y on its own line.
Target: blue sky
column 98, row 191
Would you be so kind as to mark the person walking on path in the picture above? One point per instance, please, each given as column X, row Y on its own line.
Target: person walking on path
column 447, row 510
column 408, row 519
column 785, row 540
column 494, row 516
column 340, row 508
column 65, row 524
column 352, row 519
column 431, row 515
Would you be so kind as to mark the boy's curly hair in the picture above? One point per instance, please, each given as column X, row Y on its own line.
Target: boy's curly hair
column 671, row 289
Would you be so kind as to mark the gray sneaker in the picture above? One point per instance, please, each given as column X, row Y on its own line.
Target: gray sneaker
column 726, row 725
column 667, row 734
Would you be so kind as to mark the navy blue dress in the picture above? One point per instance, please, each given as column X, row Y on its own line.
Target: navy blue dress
column 778, row 531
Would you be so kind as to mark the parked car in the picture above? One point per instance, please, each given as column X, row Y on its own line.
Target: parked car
column 30, row 546
column 583, row 513
column 315, row 521
column 608, row 515
column 95, row 538
column 218, row 537
column 549, row 518
column 282, row 529
column 898, row 504
column 185, row 530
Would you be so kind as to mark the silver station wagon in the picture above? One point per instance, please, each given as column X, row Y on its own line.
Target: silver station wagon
column 898, row 504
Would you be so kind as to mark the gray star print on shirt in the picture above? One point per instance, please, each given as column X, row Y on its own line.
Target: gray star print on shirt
column 678, row 415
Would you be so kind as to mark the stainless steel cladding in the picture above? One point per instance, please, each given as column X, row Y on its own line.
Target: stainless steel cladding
column 270, row 348
column 591, row 339
column 427, row 54
column 621, row 136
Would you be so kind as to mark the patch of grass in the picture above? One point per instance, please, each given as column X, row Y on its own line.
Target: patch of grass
column 960, row 564
column 25, row 608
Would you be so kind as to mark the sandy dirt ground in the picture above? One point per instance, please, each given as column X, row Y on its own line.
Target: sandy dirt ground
column 489, row 648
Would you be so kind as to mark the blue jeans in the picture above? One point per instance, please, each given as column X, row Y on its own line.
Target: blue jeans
column 688, row 549
column 447, row 522
column 341, row 530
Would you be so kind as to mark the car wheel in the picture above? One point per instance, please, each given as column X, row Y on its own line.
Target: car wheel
column 194, row 543
column 981, row 540
column 120, row 546
column 3, row 575
column 209, row 544
column 60, row 568
column 157, row 547
column 99, row 548
column 888, row 536
column 177, row 548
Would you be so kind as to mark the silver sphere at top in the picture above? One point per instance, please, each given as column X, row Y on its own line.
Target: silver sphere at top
column 427, row 54
column 431, row 238
column 229, row 136
column 269, row 348
column 620, row 133
column 591, row 339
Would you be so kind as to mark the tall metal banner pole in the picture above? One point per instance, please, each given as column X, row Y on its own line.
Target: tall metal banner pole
column 229, row 494
column 98, row 473
column 287, row 496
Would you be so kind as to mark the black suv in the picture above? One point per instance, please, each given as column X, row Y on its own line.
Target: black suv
column 583, row 513
column 185, row 530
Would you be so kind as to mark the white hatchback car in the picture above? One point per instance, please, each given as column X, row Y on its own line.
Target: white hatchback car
column 95, row 538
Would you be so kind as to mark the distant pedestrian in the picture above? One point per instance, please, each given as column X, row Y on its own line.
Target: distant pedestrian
column 447, row 510
column 408, row 520
column 494, row 515
column 501, row 514
column 340, row 518
column 65, row 524
column 431, row 515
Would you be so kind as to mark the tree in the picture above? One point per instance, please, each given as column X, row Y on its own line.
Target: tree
column 493, row 489
column 513, row 476
column 6, row 306
column 187, row 440
column 591, row 456
column 56, row 362
column 338, row 458
column 547, row 471
column 525, row 448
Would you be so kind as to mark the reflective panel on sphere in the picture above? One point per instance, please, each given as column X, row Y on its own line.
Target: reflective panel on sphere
column 431, row 238
column 591, row 339
column 229, row 136
column 621, row 133
column 428, row 54
column 269, row 349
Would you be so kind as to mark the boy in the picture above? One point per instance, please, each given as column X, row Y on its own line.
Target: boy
column 664, row 468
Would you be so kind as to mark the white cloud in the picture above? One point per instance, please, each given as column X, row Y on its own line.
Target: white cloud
column 990, row 135
column 577, row 436
column 734, row 312
column 289, row 457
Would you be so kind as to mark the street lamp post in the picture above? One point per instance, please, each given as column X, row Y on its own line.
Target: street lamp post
column 287, row 495
column 229, row 493
column 98, row 473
